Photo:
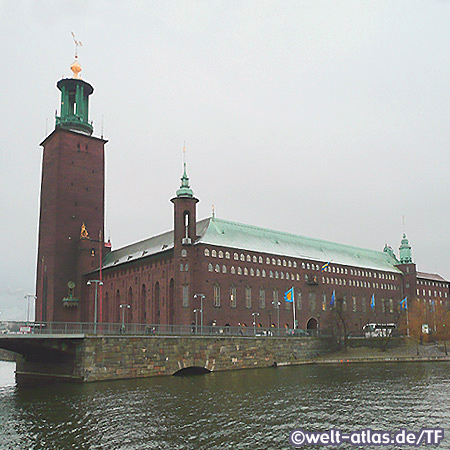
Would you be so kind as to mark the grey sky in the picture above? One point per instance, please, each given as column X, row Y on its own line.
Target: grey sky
column 323, row 118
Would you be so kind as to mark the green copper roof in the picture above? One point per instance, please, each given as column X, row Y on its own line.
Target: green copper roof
column 405, row 251
column 224, row 233
column 185, row 190
column 235, row 235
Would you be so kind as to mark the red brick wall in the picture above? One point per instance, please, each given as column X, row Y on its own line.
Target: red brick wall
column 72, row 193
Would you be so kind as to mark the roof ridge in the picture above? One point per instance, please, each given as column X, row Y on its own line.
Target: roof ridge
column 254, row 227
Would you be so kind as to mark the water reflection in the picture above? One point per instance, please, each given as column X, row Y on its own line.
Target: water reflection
column 240, row 410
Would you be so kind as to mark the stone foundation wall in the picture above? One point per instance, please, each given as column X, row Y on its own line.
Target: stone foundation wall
column 5, row 355
column 107, row 358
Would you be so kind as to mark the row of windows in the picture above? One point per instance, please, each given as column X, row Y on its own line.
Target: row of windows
column 357, row 305
column 308, row 266
column 432, row 283
column 296, row 277
column 430, row 293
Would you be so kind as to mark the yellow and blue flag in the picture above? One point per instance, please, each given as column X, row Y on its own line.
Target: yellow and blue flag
column 372, row 302
column 289, row 295
column 404, row 303
column 325, row 266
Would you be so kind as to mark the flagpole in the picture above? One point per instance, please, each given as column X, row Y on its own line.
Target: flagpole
column 293, row 304
column 407, row 320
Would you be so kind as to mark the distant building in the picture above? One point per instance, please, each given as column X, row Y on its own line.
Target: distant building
column 240, row 269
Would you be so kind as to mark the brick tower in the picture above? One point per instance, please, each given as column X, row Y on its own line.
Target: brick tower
column 71, row 208
column 185, row 235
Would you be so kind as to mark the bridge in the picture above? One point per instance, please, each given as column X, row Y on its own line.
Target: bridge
column 84, row 352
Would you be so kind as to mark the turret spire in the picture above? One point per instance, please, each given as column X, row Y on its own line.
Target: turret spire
column 185, row 190
column 405, row 251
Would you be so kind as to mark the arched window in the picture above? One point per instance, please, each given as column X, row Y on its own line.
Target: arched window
column 276, row 274
column 249, row 258
column 289, row 264
column 273, row 261
column 252, row 272
column 295, row 264
column 270, row 274
column 284, row 262
column 210, row 267
column 242, row 257
column 263, row 273
column 281, row 275
column 217, row 268
column 220, row 254
column 236, row 256
column 303, row 265
column 213, row 253
column 227, row 255
column 206, row 252
column 186, row 296
column 239, row 271
column 267, row 260
column 184, row 253
column 260, row 259
column 255, row 259
column 245, row 271
column 224, row 269
column 279, row 262
column 233, row 270
column 258, row 273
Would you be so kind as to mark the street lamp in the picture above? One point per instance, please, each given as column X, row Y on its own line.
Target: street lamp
column 27, row 297
column 278, row 304
column 122, row 307
column 196, row 319
column 97, row 283
column 254, row 321
column 201, row 297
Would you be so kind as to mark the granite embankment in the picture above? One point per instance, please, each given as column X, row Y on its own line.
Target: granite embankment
column 398, row 350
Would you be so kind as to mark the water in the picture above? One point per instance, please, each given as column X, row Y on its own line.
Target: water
column 253, row 409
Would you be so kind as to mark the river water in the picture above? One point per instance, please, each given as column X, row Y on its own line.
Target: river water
column 249, row 409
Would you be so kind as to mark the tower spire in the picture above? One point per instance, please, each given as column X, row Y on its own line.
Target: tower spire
column 405, row 251
column 185, row 190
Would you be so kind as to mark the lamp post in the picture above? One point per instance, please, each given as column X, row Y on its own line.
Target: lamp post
column 122, row 307
column 201, row 297
column 196, row 319
column 277, row 304
column 27, row 297
column 97, row 283
column 255, row 314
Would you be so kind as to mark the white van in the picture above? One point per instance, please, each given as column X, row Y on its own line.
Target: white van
column 378, row 329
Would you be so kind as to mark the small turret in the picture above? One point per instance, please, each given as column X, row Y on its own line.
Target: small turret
column 405, row 251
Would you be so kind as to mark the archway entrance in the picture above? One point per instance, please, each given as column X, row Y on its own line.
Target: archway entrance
column 312, row 324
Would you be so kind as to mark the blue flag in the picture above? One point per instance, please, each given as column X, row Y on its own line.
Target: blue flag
column 404, row 303
column 325, row 266
column 333, row 298
column 372, row 302
column 289, row 295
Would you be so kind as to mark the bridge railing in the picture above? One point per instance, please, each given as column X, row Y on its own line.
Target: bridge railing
column 105, row 329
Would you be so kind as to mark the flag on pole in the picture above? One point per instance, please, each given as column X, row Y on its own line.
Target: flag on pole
column 333, row 298
column 325, row 266
column 372, row 302
column 289, row 295
column 404, row 303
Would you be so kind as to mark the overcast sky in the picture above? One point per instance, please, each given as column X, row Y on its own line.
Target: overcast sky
column 324, row 118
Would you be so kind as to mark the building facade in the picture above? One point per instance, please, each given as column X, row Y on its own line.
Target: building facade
column 242, row 271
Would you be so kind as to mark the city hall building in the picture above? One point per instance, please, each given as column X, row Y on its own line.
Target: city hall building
column 241, row 270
